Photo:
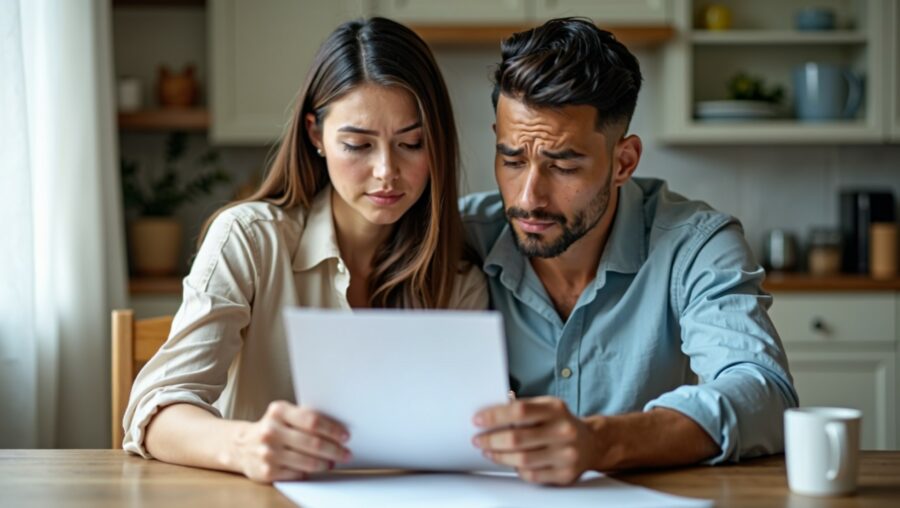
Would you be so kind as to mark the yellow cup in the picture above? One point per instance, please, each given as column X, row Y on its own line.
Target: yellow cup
column 717, row 17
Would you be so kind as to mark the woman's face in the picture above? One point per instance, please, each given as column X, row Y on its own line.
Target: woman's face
column 373, row 145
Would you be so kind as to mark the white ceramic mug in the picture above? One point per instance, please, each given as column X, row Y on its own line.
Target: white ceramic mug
column 822, row 450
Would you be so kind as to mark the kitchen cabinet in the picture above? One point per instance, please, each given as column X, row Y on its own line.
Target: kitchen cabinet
column 259, row 54
column 843, row 351
column 892, row 64
column 607, row 12
column 521, row 12
column 762, row 42
column 456, row 12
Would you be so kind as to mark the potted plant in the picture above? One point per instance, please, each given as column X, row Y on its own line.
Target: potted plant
column 152, row 199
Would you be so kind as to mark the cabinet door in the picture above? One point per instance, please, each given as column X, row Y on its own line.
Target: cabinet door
column 821, row 318
column 864, row 380
column 260, row 53
column 893, row 56
column 605, row 12
column 456, row 12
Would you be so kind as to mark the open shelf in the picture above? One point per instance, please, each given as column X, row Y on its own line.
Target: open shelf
column 773, row 37
column 192, row 119
column 785, row 131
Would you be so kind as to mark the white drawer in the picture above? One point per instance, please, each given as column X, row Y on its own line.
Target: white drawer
column 829, row 318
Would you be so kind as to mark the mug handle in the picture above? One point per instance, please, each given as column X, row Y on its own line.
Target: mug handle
column 837, row 446
column 854, row 96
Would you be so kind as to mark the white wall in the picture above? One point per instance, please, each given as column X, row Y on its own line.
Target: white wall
column 794, row 187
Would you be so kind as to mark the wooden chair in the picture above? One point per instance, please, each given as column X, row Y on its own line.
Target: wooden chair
column 133, row 343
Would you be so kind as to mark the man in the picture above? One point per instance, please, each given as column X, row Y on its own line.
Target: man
column 636, row 325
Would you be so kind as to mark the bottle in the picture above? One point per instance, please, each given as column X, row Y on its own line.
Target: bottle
column 883, row 250
column 824, row 256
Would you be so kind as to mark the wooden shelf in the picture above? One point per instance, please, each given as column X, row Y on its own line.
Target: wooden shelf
column 782, row 131
column 466, row 35
column 192, row 119
column 788, row 282
column 155, row 285
column 159, row 3
column 772, row 37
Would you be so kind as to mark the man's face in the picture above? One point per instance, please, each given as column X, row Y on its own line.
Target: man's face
column 554, row 170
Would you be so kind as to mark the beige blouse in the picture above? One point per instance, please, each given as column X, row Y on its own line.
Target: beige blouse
column 226, row 352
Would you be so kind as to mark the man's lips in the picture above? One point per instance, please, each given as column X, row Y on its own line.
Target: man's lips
column 534, row 226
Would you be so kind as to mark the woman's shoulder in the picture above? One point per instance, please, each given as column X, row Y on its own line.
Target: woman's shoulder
column 262, row 225
column 470, row 290
column 250, row 212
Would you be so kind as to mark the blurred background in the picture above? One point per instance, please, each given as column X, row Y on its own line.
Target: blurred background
column 125, row 123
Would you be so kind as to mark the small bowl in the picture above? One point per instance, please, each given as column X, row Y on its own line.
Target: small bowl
column 814, row 18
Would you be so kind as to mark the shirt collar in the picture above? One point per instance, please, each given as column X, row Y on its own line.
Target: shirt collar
column 318, row 242
column 625, row 249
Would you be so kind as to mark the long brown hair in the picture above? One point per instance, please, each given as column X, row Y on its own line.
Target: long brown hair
column 417, row 265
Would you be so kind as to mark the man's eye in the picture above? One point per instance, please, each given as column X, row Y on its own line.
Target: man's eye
column 564, row 170
column 512, row 164
column 354, row 148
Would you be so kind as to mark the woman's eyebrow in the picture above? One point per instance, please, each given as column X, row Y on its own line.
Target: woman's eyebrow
column 369, row 132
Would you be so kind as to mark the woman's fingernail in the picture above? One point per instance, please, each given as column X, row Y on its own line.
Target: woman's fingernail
column 478, row 420
column 345, row 436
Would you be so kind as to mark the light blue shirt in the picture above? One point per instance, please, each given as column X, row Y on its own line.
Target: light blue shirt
column 674, row 318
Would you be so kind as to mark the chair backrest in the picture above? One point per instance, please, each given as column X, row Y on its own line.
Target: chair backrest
column 133, row 343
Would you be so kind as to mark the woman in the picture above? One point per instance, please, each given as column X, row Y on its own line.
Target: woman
column 358, row 210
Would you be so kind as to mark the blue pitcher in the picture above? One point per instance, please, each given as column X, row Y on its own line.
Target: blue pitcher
column 826, row 92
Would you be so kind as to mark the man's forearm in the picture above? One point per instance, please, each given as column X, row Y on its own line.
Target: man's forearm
column 657, row 438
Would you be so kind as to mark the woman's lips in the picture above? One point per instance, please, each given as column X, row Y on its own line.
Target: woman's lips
column 384, row 198
column 533, row 226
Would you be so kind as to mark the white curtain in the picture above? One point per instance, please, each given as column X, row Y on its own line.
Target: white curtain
column 62, row 254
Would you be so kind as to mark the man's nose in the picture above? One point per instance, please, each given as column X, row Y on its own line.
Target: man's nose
column 533, row 194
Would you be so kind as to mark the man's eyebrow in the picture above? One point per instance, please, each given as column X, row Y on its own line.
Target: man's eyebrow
column 509, row 152
column 360, row 130
column 562, row 155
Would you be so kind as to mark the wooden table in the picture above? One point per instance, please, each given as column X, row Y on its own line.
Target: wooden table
column 101, row 478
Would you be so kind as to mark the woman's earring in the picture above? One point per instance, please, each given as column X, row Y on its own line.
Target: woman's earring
column 320, row 152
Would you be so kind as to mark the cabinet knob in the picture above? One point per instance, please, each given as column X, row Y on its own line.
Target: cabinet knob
column 819, row 326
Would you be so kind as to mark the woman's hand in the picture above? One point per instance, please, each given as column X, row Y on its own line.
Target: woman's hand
column 288, row 443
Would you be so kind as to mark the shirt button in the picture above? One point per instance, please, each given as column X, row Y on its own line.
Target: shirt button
column 566, row 373
column 341, row 267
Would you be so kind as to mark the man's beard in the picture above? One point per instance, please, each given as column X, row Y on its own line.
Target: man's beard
column 583, row 221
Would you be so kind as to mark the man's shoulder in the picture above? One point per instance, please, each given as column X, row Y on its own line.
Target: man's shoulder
column 482, row 207
column 483, row 219
column 668, row 213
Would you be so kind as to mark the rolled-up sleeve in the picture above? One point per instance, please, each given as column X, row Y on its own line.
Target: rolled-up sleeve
column 192, row 366
column 744, row 381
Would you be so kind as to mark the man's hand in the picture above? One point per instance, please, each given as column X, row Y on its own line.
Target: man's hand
column 539, row 437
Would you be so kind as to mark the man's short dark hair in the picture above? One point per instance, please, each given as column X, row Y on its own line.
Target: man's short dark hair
column 570, row 62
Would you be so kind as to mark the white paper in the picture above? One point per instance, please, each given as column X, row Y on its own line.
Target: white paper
column 405, row 383
column 442, row 490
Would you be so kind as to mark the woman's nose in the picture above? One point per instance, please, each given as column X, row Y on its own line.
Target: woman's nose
column 384, row 169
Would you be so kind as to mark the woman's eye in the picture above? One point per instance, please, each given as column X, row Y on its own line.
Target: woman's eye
column 354, row 148
column 412, row 146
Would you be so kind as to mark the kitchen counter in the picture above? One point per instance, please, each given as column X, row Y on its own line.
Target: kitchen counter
column 782, row 282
